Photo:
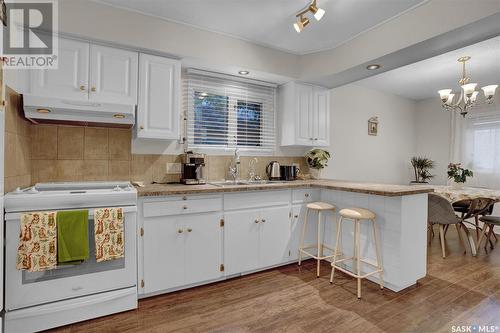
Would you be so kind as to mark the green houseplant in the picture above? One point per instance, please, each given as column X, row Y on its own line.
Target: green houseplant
column 458, row 174
column 317, row 160
column 421, row 169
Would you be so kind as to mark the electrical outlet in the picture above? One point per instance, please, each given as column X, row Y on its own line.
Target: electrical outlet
column 173, row 168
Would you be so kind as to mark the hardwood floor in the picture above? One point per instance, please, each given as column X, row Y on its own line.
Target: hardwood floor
column 458, row 290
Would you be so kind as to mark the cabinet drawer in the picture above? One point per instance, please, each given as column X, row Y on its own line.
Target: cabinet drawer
column 177, row 207
column 257, row 199
column 305, row 195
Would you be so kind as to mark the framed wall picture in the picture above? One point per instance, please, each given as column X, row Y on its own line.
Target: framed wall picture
column 373, row 126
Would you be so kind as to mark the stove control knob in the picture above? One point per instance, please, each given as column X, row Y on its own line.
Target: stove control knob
column 117, row 189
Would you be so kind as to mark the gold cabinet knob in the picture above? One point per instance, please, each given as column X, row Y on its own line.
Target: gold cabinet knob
column 184, row 207
column 141, row 127
column 189, row 229
column 256, row 221
column 179, row 231
column 82, row 88
column 93, row 89
column 296, row 216
column 263, row 220
column 184, row 198
column 306, row 195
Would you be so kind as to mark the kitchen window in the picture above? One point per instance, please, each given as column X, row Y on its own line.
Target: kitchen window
column 224, row 113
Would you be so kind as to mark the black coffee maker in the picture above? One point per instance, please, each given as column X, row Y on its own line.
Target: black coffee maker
column 193, row 169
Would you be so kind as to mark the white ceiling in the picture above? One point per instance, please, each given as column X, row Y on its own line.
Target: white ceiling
column 423, row 79
column 269, row 22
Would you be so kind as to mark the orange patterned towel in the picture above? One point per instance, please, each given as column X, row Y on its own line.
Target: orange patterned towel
column 37, row 242
column 108, row 226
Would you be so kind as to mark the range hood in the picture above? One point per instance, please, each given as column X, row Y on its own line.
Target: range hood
column 39, row 109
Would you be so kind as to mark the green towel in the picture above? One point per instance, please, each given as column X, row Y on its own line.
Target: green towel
column 72, row 236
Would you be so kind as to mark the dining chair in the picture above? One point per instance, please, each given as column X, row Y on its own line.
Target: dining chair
column 489, row 224
column 474, row 209
column 440, row 212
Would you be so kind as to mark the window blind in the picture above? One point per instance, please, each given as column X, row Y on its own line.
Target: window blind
column 226, row 114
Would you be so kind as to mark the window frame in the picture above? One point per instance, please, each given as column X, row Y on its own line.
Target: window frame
column 267, row 124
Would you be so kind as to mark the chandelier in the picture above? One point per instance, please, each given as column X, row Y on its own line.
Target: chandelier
column 468, row 93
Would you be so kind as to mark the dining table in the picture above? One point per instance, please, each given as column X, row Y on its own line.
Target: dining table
column 455, row 195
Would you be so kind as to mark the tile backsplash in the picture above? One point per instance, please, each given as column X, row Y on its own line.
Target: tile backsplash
column 17, row 158
column 67, row 153
column 48, row 153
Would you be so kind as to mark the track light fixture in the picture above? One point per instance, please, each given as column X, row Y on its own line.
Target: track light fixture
column 299, row 26
column 303, row 21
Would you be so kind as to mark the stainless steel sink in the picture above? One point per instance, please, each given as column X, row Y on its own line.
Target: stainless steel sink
column 224, row 183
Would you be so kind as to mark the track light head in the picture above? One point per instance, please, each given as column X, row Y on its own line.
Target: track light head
column 301, row 23
column 318, row 12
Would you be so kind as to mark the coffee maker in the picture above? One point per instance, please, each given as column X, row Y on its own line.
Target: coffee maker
column 193, row 169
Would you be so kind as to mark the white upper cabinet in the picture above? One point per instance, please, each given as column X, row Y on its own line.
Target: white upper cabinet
column 89, row 72
column 321, row 117
column 113, row 75
column 304, row 112
column 158, row 111
column 70, row 80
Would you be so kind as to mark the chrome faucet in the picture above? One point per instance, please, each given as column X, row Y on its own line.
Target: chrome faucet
column 234, row 168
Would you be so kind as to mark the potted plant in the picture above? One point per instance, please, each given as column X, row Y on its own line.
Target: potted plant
column 458, row 175
column 317, row 160
column 421, row 168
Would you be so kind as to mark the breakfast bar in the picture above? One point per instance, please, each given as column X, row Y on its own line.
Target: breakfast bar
column 401, row 219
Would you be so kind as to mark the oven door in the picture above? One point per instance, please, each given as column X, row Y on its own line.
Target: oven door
column 23, row 288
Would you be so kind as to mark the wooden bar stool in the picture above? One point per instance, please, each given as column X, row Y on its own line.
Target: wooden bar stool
column 319, row 207
column 357, row 215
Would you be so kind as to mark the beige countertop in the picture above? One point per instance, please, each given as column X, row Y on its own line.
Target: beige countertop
column 339, row 185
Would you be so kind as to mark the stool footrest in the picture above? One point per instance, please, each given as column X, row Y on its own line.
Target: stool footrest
column 334, row 264
column 314, row 256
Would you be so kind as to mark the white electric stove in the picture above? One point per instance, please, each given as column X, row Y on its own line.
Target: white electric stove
column 37, row 301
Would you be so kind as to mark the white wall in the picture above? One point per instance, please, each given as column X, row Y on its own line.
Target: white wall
column 433, row 127
column 358, row 156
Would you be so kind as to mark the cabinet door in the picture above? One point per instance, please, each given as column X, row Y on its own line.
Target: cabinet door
column 275, row 236
column 303, row 117
column 113, row 75
column 163, row 253
column 321, row 117
column 203, row 249
column 241, row 241
column 158, row 110
column 70, row 79
column 310, row 238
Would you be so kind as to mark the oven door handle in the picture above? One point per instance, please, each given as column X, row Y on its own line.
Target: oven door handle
column 17, row 216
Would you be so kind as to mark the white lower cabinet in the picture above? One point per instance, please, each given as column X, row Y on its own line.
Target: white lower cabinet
column 256, row 238
column 195, row 239
column 180, row 250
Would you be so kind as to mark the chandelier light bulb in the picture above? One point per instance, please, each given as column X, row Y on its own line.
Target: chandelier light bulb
column 474, row 96
column 469, row 89
column 449, row 101
column 444, row 94
column 489, row 91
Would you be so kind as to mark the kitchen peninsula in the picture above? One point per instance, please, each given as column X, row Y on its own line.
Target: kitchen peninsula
column 217, row 231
